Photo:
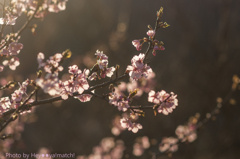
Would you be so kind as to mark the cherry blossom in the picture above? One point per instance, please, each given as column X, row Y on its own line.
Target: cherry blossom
column 119, row 101
column 127, row 123
column 5, row 103
column 137, row 44
column 138, row 68
column 102, row 63
column 101, row 55
column 166, row 102
column 17, row 95
column 84, row 97
column 51, row 64
column 151, row 33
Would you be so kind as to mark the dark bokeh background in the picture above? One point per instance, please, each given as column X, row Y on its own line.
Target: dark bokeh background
column 201, row 56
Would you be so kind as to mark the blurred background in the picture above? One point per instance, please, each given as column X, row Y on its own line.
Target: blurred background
column 201, row 56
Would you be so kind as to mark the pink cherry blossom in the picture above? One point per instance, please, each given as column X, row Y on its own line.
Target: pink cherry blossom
column 127, row 123
column 118, row 100
column 153, row 97
column 138, row 68
column 151, row 33
column 123, row 105
column 5, row 103
column 84, row 97
column 100, row 55
column 93, row 76
column 17, row 95
column 73, row 69
column 23, row 87
column 169, row 102
column 137, row 44
column 166, row 102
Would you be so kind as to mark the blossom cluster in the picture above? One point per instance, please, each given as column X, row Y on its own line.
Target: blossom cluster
column 77, row 83
column 53, row 86
column 9, row 45
column 12, row 50
column 120, row 101
column 29, row 6
column 102, row 63
column 183, row 132
column 137, row 69
column 16, row 97
column 165, row 102
column 107, row 149
column 52, row 64
column 127, row 122
column 77, row 86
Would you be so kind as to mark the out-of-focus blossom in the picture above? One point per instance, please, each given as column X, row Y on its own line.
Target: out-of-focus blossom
column 107, row 149
column 141, row 144
column 168, row 144
column 138, row 68
column 14, row 48
column 117, row 128
column 138, row 149
column 186, row 132
column 13, row 63
column 9, row 19
column 107, row 144
column 56, row 7
column 49, row 84
column 1, row 68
